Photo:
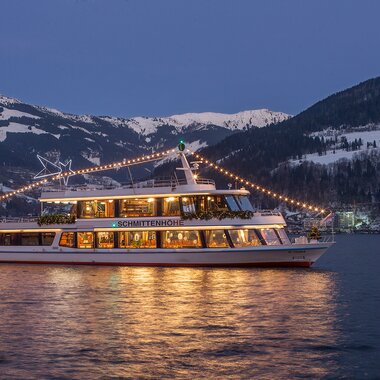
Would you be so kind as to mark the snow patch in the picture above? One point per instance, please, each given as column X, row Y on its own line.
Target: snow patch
column 93, row 159
column 6, row 100
column 19, row 128
column 7, row 113
column 331, row 157
column 81, row 129
column 196, row 145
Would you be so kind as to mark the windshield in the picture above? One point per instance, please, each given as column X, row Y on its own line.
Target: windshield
column 233, row 206
column 244, row 203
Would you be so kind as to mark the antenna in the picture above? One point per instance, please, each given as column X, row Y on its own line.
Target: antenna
column 130, row 176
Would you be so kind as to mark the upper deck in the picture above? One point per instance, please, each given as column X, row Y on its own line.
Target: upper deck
column 157, row 188
column 154, row 188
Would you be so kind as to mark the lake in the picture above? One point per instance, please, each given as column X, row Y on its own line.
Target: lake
column 68, row 322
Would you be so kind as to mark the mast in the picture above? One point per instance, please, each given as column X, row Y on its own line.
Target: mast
column 190, row 179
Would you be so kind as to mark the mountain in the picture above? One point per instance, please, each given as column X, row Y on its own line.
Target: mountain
column 327, row 154
column 353, row 107
column 27, row 130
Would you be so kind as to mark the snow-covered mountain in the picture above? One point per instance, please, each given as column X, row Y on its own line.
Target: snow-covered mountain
column 237, row 121
column 26, row 130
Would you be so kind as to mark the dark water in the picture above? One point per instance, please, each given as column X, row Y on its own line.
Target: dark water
column 66, row 322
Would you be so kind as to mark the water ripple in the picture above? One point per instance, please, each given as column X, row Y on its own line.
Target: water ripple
column 67, row 322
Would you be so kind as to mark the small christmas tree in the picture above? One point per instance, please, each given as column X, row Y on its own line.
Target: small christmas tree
column 314, row 233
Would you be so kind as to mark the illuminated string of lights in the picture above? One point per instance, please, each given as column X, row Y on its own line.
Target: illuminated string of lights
column 156, row 156
column 254, row 186
column 93, row 169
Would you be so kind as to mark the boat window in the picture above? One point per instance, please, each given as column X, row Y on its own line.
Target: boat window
column 232, row 205
column 137, row 239
column 188, row 204
column 97, row 209
column 216, row 239
column 10, row 238
column 59, row 208
column 30, row 238
column 270, row 236
column 211, row 203
column 244, row 238
column 218, row 202
column 105, row 240
column 85, row 240
column 27, row 238
column 243, row 202
column 47, row 238
column 137, row 207
column 202, row 203
column 283, row 236
column 87, row 209
column 67, row 239
column 181, row 239
column 170, row 206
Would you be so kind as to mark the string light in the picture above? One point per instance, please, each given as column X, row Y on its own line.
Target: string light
column 156, row 156
column 92, row 169
column 257, row 187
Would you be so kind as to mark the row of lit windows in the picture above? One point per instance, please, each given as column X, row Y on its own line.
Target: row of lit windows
column 174, row 239
column 147, row 207
column 26, row 238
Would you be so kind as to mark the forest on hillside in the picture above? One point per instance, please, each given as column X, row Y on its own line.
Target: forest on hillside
column 264, row 155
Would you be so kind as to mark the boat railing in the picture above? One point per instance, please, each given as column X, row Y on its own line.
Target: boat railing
column 152, row 183
column 19, row 220
column 327, row 239
column 305, row 240
column 268, row 213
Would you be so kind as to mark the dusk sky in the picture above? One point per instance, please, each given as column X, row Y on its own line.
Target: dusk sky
column 141, row 57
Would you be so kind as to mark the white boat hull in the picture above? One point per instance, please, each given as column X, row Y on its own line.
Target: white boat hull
column 289, row 256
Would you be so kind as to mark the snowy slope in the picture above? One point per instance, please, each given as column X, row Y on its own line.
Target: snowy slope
column 331, row 156
column 258, row 118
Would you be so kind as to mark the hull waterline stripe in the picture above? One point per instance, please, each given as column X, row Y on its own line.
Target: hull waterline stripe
column 157, row 251
column 286, row 264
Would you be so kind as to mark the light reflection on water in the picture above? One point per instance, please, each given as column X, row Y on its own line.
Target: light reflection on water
column 101, row 322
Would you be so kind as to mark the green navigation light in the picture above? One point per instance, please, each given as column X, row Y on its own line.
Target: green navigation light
column 114, row 225
column 181, row 145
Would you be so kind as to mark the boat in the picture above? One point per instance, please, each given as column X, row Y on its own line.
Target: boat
column 158, row 222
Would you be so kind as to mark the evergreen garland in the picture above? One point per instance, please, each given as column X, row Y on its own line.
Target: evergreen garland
column 217, row 214
column 56, row 219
